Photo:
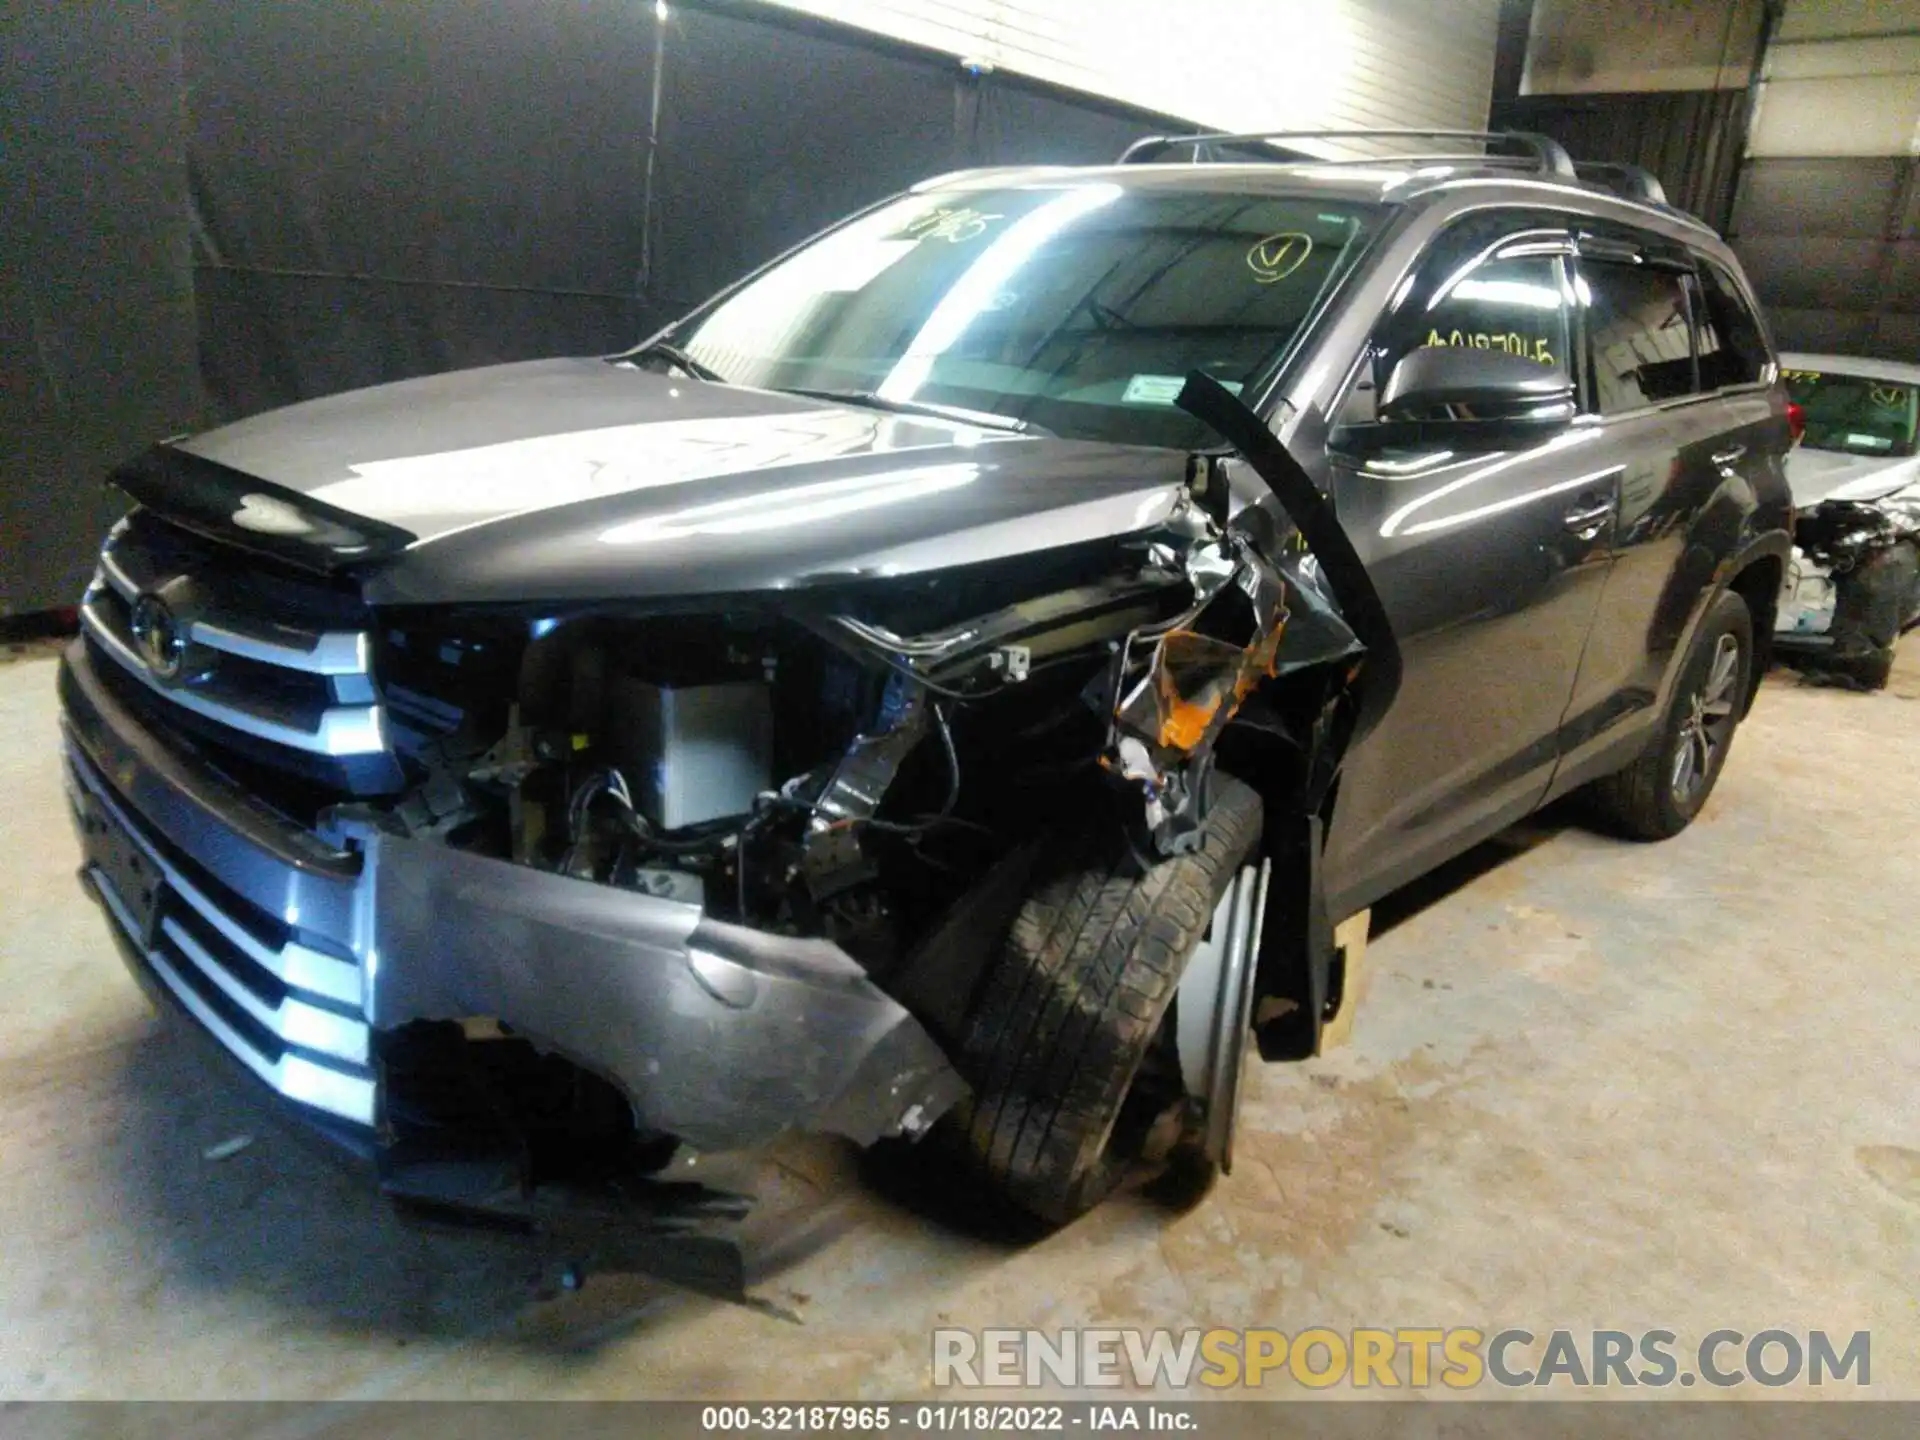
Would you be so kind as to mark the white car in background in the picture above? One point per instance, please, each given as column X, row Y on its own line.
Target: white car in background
column 1854, row 580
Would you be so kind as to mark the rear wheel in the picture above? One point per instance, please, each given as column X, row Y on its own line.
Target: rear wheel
column 1068, row 1048
column 1659, row 794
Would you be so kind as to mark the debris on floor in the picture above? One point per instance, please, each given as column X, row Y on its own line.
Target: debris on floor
column 227, row 1148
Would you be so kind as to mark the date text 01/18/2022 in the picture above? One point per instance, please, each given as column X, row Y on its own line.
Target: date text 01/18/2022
column 962, row 1418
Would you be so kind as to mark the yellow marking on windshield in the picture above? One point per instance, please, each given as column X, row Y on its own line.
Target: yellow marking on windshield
column 945, row 222
column 1277, row 256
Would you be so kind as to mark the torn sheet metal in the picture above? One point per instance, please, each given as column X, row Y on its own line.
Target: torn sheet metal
column 1268, row 601
column 1190, row 683
column 1341, row 574
column 989, row 652
column 1178, row 685
column 831, row 855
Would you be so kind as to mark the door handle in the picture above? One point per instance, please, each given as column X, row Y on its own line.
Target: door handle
column 1585, row 520
column 1725, row 458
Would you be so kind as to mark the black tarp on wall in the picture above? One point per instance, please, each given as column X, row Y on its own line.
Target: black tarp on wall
column 304, row 196
column 387, row 190
column 96, row 296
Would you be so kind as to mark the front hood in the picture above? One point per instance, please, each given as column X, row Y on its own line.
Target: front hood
column 1817, row 475
column 583, row 479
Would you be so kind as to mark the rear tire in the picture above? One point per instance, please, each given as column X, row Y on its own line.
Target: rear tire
column 1658, row 795
column 1065, row 1046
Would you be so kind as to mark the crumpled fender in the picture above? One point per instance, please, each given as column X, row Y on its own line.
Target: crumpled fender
column 1346, row 576
column 1334, row 600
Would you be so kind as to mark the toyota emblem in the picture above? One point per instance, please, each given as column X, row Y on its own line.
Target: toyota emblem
column 158, row 636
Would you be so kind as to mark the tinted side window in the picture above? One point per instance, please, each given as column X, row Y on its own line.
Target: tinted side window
column 1638, row 330
column 1465, row 293
column 1732, row 349
column 1514, row 305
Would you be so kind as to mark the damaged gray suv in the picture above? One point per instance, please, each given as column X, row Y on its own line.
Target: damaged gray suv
column 952, row 684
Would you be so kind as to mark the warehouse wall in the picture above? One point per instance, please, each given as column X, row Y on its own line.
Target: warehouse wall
column 1620, row 47
column 246, row 205
column 96, row 300
column 1828, row 215
column 1650, row 83
column 1232, row 64
column 220, row 208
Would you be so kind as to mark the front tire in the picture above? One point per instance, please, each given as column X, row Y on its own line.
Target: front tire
column 1066, row 1044
column 1658, row 795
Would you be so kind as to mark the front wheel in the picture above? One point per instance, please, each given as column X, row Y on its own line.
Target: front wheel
column 1658, row 795
column 1067, row 1047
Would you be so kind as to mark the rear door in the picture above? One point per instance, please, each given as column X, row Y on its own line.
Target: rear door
column 1489, row 557
column 1684, row 431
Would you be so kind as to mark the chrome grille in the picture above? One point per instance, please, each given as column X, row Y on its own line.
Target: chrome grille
column 290, row 1013
column 298, row 682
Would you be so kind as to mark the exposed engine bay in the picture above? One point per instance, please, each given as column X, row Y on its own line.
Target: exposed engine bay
column 845, row 770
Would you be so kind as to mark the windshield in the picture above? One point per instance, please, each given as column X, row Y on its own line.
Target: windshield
column 1856, row 414
column 1077, row 308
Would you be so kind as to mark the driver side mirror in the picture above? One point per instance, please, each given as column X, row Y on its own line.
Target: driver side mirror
column 1459, row 383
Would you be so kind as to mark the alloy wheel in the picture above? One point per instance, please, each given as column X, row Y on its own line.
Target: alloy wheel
column 1708, row 723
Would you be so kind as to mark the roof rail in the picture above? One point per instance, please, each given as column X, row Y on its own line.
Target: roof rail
column 1635, row 182
column 1548, row 153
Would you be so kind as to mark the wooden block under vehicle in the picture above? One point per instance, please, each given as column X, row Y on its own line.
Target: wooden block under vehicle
column 1350, row 954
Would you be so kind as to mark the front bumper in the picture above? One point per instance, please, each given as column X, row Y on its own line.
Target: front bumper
column 302, row 954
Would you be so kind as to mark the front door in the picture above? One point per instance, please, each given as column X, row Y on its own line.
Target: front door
column 1490, row 557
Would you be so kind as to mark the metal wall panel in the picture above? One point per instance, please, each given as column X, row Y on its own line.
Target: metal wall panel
column 1814, row 272
column 1690, row 139
column 1817, row 59
column 1829, row 244
column 1856, row 197
column 1823, row 19
column 1837, row 115
column 1231, row 64
column 1635, row 47
column 1826, row 215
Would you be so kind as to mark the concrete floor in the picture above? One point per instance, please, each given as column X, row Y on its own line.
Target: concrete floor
column 1595, row 1084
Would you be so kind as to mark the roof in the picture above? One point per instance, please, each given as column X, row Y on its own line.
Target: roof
column 1852, row 365
column 1425, row 179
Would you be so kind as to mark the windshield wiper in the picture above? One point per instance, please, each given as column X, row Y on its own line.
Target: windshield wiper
column 872, row 399
column 679, row 359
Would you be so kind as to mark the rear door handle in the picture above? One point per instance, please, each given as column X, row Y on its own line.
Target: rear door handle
column 1725, row 458
column 1585, row 520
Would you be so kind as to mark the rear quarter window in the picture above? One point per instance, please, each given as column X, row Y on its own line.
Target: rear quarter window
column 1638, row 331
column 1733, row 350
